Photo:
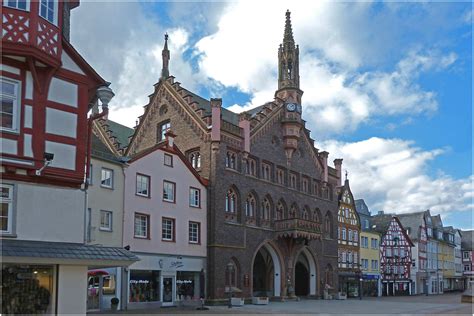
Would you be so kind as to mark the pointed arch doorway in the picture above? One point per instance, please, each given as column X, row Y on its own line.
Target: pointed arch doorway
column 266, row 278
column 305, row 274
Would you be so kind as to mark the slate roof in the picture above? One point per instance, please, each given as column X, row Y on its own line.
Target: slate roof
column 100, row 150
column 65, row 251
column 467, row 239
column 437, row 221
column 361, row 207
column 412, row 222
column 381, row 222
column 121, row 132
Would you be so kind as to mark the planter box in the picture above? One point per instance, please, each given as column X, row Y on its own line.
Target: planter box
column 260, row 300
column 341, row 296
column 237, row 301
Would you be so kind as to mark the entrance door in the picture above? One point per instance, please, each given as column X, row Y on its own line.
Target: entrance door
column 168, row 290
column 301, row 280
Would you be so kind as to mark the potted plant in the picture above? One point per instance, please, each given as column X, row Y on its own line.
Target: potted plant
column 114, row 301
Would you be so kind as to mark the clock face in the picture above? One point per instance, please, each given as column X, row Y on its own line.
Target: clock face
column 291, row 107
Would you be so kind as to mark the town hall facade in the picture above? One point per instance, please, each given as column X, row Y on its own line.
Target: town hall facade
column 272, row 201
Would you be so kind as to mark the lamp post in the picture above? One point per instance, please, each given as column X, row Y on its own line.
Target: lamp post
column 230, row 269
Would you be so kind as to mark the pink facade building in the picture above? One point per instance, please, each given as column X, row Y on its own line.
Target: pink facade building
column 165, row 226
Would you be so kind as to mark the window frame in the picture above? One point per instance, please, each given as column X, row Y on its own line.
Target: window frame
column 174, row 192
column 198, row 242
column 170, row 159
column 103, row 228
column 11, row 201
column 55, row 11
column 163, row 132
column 138, row 174
column 173, row 229
column 27, row 2
column 111, row 186
column 16, row 108
column 147, row 231
column 191, row 197
column 194, row 158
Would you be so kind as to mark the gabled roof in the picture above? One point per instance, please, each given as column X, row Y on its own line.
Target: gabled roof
column 173, row 150
column 412, row 222
column 361, row 207
column 101, row 151
column 437, row 221
column 381, row 222
column 467, row 239
column 121, row 132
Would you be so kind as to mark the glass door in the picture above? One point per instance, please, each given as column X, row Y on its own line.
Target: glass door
column 168, row 291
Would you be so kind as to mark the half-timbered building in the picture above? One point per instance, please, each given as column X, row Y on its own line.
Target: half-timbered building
column 272, row 211
column 47, row 90
column 395, row 255
column 348, row 243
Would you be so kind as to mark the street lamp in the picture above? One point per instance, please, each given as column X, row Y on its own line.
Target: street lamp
column 230, row 269
column 360, row 287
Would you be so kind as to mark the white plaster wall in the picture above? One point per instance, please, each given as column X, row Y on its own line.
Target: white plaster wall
column 100, row 198
column 72, row 289
column 49, row 213
column 29, row 86
column 63, row 92
column 28, row 116
column 27, row 145
column 152, row 165
column 8, row 146
column 69, row 64
column 64, row 155
column 61, row 122
column 11, row 69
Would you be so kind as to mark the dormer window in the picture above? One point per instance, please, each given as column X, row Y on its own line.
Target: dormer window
column 48, row 10
column 17, row 4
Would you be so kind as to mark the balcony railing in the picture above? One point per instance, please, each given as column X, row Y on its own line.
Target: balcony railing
column 298, row 228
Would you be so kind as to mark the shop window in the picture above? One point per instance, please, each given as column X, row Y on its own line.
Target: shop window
column 143, row 185
column 187, row 285
column 144, row 286
column 10, row 106
column 6, row 211
column 27, row 289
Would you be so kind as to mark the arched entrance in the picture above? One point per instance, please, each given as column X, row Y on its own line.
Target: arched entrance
column 305, row 274
column 266, row 273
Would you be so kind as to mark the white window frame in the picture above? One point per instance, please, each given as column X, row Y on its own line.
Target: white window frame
column 165, row 191
column 10, row 201
column 194, row 232
column 55, row 11
column 104, row 171
column 16, row 112
column 343, row 234
column 147, row 223
column 108, row 214
column 5, row 4
column 139, row 185
column 169, row 230
column 194, row 197
column 168, row 160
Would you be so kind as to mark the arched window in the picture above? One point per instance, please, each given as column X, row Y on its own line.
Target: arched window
column 231, row 201
column 317, row 215
column 266, row 209
column 280, row 211
column 328, row 225
column 195, row 159
column 250, row 167
column 231, row 160
column 305, row 214
column 293, row 212
column 232, row 270
column 250, row 204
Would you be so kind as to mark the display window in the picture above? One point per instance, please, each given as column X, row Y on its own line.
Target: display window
column 144, row 286
column 186, row 287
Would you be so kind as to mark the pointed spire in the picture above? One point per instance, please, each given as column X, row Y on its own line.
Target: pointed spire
column 288, row 36
column 165, row 73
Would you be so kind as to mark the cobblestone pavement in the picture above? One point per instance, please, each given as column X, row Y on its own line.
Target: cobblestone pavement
column 426, row 305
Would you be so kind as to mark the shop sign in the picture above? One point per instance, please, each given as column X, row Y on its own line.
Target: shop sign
column 175, row 264
column 139, row 281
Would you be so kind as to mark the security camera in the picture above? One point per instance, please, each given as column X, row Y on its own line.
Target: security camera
column 48, row 156
column 48, row 159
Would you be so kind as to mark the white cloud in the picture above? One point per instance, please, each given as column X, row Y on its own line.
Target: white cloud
column 392, row 175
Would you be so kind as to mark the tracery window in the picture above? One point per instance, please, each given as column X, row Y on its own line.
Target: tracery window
column 281, row 176
column 280, row 211
column 195, row 159
column 251, row 167
column 266, row 171
column 266, row 209
column 231, row 160
column 327, row 225
column 305, row 214
column 292, row 213
column 250, row 204
column 304, row 185
column 231, row 201
column 292, row 180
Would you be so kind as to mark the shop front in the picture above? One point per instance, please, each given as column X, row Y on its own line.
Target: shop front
column 160, row 280
column 396, row 288
column 349, row 283
column 370, row 285
column 102, row 286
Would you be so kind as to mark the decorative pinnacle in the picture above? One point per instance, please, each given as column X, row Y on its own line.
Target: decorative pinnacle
column 166, row 59
column 166, row 41
column 288, row 36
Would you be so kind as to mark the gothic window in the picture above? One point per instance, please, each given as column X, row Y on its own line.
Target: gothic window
column 232, row 271
column 281, row 176
column 305, row 214
column 231, row 160
column 292, row 180
column 250, row 204
column 280, row 211
column 195, row 159
column 304, row 185
column 266, row 171
column 231, row 201
column 317, row 190
column 317, row 215
column 161, row 130
column 327, row 225
column 266, row 209
column 293, row 212
column 251, row 167
column 346, row 197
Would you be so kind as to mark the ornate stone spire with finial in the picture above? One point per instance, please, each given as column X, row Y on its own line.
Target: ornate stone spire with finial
column 165, row 72
column 288, row 58
column 288, row 36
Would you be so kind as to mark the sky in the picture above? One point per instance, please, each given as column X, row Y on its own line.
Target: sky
column 387, row 85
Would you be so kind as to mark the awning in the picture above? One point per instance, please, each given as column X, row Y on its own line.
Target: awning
column 25, row 251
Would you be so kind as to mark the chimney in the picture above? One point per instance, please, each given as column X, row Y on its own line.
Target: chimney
column 216, row 105
column 338, row 166
column 169, row 136
column 324, row 155
column 244, row 123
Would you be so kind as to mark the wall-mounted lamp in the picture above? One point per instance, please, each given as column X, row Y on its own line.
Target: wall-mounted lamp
column 48, row 159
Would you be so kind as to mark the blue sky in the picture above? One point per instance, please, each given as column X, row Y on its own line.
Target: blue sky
column 388, row 86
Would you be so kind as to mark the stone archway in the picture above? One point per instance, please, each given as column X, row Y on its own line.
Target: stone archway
column 305, row 274
column 266, row 272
